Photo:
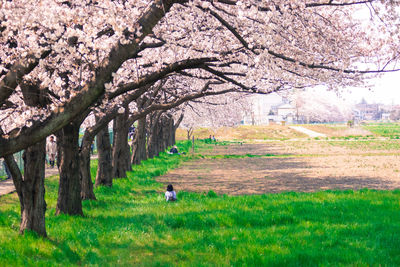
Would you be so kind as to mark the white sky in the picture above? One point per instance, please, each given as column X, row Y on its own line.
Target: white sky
column 385, row 89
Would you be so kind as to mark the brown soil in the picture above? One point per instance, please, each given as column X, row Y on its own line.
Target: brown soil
column 307, row 166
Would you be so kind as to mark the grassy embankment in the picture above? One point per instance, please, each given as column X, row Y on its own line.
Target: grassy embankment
column 383, row 136
column 131, row 223
column 389, row 130
column 244, row 132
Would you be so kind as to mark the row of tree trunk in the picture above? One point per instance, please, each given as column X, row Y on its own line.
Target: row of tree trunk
column 154, row 133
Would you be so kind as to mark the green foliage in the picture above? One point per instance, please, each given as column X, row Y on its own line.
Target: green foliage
column 131, row 224
column 391, row 130
column 212, row 194
column 352, row 137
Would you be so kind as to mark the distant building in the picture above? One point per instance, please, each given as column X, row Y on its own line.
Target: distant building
column 284, row 112
column 364, row 111
column 385, row 117
column 395, row 112
column 270, row 109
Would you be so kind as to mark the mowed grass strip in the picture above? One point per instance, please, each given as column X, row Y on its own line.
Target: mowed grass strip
column 131, row 224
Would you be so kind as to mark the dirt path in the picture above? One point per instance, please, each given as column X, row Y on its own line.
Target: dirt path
column 306, row 131
column 7, row 186
column 297, row 166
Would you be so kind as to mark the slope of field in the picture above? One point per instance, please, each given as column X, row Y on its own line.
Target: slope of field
column 270, row 132
column 337, row 130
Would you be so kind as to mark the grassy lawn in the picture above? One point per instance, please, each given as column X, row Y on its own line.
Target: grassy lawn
column 131, row 224
column 391, row 130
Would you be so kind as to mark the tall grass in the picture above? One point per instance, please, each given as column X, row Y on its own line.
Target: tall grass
column 131, row 224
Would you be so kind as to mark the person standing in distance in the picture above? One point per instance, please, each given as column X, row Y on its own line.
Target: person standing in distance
column 51, row 150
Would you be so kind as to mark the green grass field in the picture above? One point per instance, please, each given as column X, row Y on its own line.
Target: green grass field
column 131, row 224
column 391, row 130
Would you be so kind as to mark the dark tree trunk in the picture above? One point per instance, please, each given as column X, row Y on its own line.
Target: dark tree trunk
column 84, row 169
column 121, row 156
column 189, row 133
column 164, row 133
column 152, row 140
column 31, row 190
column 139, row 143
column 104, row 169
column 34, row 207
column 154, row 134
column 176, row 126
column 171, row 130
column 173, row 137
column 69, row 192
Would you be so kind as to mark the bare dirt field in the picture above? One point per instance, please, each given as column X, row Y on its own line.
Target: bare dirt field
column 304, row 166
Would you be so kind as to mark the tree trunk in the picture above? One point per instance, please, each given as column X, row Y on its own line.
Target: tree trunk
column 84, row 170
column 164, row 133
column 104, row 169
column 31, row 189
column 69, row 192
column 173, row 137
column 139, row 143
column 171, row 130
column 152, row 141
column 121, row 156
column 176, row 126
column 189, row 133
column 34, row 206
column 153, row 148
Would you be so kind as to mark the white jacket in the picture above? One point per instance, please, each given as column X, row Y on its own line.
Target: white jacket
column 51, row 148
column 170, row 196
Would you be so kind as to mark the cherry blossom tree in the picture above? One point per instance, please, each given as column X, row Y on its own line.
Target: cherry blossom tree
column 215, row 111
column 88, row 45
column 313, row 106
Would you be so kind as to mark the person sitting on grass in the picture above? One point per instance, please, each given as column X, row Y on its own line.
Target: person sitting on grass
column 174, row 150
column 170, row 195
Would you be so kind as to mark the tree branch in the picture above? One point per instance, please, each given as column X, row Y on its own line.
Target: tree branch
column 158, row 75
